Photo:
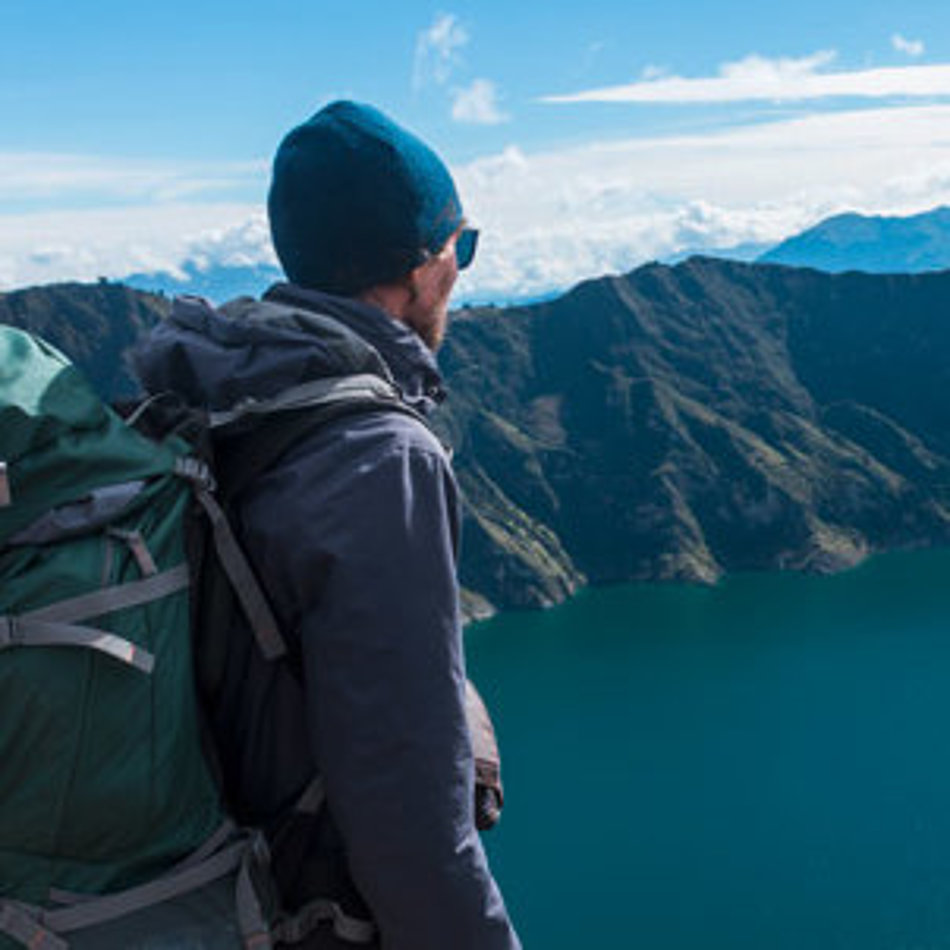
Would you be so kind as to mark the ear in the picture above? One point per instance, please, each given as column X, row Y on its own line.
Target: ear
column 413, row 281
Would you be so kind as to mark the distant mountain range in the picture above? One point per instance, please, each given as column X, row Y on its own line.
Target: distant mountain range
column 844, row 242
column 677, row 423
column 216, row 282
column 222, row 282
column 877, row 245
column 748, row 251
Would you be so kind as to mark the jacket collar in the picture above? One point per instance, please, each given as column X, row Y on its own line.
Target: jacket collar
column 412, row 363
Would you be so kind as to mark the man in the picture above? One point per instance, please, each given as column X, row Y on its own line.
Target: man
column 354, row 533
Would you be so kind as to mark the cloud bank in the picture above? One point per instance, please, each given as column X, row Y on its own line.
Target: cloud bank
column 552, row 218
column 84, row 244
column 757, row 78
column 548, row 218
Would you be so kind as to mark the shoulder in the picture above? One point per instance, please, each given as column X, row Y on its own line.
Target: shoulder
column 356, row 497
column 357, row 458
column 363, row 436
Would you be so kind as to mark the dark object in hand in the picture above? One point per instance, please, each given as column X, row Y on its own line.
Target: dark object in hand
column 489, row 797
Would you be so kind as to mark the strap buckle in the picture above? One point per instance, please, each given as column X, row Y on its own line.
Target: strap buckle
column 194, row 470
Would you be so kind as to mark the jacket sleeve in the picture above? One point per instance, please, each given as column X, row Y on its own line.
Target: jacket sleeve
column 384, row 670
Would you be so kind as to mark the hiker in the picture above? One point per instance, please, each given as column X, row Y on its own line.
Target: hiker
column 353, row 532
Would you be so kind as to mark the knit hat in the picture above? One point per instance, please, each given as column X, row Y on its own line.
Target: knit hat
column 356, row 201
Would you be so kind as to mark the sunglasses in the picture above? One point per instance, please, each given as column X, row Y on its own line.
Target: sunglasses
column 465, row 246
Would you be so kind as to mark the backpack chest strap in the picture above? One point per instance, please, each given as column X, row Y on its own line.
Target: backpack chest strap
column 61, row 624
column 17, row 632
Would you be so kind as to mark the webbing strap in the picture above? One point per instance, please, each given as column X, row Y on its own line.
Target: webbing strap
column 21, row 631
column 109, row 599
column 59, row 624
column 307, row 806
column 226, row 831
column 312, row 798
column 242, row 578
column 69, row 898
column 22, row 926
column 295, row 928
column 316, row 392
column 112, row 906
column 254, row 928
column 136, row 543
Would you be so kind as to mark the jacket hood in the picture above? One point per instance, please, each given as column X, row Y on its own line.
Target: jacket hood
column 213, row 358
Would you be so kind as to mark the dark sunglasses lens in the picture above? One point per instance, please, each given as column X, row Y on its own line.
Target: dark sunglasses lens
column 465, row 247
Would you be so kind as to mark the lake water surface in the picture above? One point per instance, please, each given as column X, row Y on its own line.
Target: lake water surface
column 760, row 766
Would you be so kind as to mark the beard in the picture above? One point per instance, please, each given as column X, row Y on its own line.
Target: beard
column 428, row 310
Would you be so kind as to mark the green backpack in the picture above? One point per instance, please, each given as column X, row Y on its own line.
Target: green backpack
column 105, row 788
column 113, row 835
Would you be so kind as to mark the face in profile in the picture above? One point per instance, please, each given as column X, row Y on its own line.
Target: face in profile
column 431, row 286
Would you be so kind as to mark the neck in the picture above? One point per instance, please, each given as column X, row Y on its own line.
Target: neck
column 392, row 299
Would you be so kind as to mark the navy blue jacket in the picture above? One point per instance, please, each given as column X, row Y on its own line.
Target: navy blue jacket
column 354, row 533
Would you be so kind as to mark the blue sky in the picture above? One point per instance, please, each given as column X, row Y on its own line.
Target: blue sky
column 585, row 137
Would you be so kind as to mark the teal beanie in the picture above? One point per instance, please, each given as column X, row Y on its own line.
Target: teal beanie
column 356, row 201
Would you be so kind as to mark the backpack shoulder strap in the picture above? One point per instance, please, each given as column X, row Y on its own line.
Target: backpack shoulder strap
column 289, row 415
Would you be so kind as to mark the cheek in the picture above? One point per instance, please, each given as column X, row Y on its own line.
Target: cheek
column 449, row 278
column 439, row 290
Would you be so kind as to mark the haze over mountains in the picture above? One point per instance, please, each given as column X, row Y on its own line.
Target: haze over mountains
column 844, row 242
column 675, row 423
column 216, row 282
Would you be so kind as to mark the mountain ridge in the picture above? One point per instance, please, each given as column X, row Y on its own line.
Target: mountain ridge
column 679, row 423
column 93, row 324
column 698, row 429
column 873, row 243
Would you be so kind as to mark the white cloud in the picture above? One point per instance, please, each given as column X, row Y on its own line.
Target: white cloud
column 549, row 219
column 438, row 50
column 116, row 216
column 477, row 103
column 438, row 56
column 43, row 247
column 39, row 177
column 756, row 78
column 244, row 244
column 910, row 47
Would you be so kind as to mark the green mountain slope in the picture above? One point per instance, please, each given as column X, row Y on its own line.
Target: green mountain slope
column 93, row 324
column 676, row 423
column 682, row 422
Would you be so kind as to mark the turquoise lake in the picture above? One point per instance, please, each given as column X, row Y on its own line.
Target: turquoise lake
column 761, row 765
